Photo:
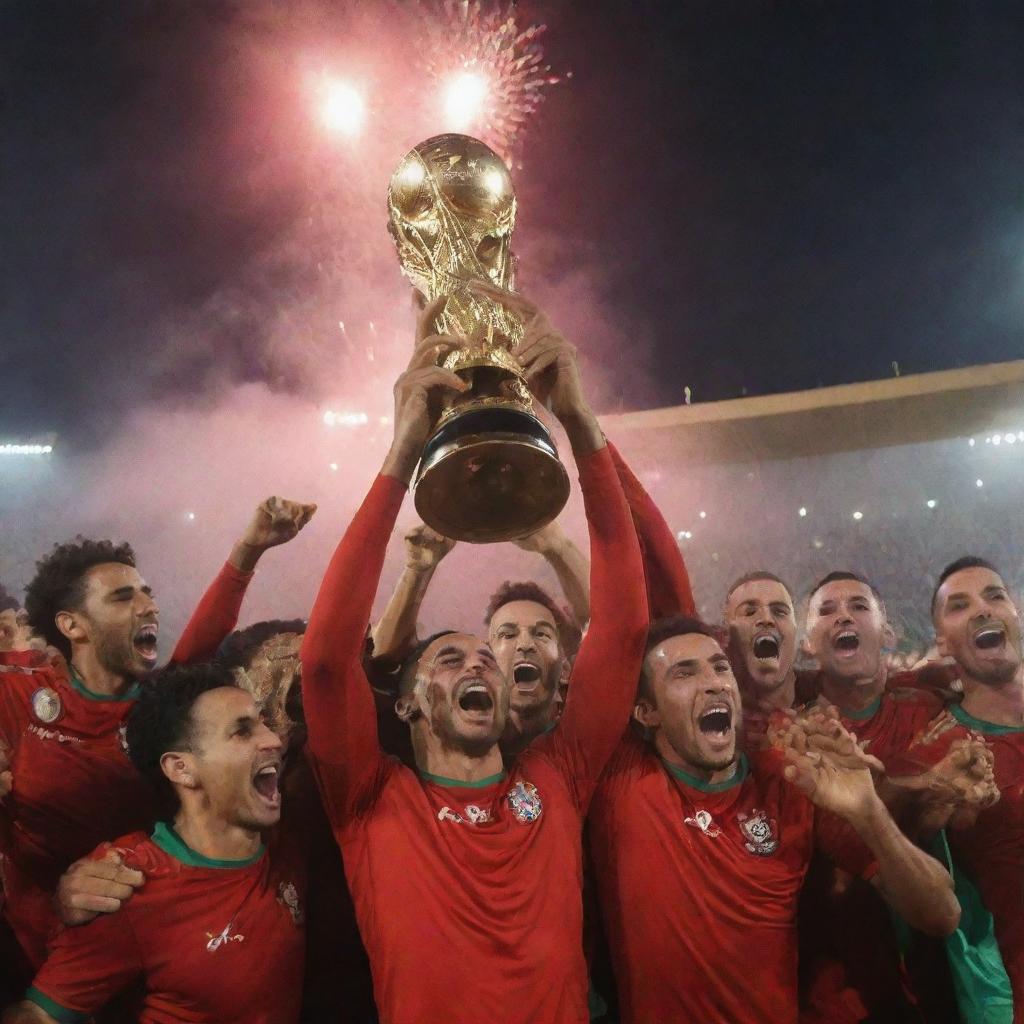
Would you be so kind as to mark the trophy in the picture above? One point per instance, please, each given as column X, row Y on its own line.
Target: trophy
column 490, row 470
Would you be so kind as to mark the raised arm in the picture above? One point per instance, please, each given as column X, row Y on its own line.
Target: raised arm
column 607, row 668
column 571, row 567
column 338, row 703
column 394, row 636
column 275, row 521
column 668, row 582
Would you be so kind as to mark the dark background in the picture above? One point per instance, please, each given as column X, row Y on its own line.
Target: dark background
column 770, row 196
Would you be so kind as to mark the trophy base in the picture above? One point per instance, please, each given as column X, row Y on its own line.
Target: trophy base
column 489, row 475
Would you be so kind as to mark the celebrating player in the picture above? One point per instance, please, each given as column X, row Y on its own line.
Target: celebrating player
column 466, row 872
column 218, row 906
column 73, row 785
column 700, row 852
column 978, row 625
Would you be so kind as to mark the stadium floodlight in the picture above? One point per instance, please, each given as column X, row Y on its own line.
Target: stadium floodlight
column 16, row 448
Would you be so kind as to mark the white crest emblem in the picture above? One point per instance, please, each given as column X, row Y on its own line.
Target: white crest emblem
column 288, row 897
column 524, row 800
column 705, row 823
column 759, row 832
column 46, row 705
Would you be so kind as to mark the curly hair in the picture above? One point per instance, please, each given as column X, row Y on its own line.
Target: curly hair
column 59, row 583
column 161, row 719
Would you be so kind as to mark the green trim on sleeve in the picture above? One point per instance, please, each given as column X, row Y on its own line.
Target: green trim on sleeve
column 59, row 1013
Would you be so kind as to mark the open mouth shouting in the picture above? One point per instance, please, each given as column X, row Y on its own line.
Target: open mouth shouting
column 526, row 676
column 846, row 643
column 266, row 782
column 990, row 636
column 716, row 724
column 145, row 642
column 767, row 647
column 475, row 699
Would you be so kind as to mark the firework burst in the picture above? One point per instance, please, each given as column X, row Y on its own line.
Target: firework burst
column 491, row 71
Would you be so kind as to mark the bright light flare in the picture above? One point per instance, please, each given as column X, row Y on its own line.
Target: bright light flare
column 342, row 108
column 26, row 449
column 465, row 95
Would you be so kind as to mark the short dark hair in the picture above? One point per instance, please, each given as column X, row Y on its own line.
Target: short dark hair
column 527, row 590
column 846, row 574
column 161, row 719
column 237, row 649
column 664, row 629
column 407, row 675
column 59, row 583
column 964, row 562
column 751, row 577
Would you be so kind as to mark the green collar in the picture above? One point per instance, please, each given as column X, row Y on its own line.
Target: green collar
column 869, row 712
column 76, row 683
column 742, row 770
column 170, row 842
column 440, row 780
column 980, row 725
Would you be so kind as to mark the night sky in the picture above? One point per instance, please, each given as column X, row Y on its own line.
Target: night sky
column 763, row 197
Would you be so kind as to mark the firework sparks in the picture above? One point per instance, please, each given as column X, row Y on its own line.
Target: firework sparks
column 491, row 73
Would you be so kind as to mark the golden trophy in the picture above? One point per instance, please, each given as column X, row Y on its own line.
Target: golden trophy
column 490, row 471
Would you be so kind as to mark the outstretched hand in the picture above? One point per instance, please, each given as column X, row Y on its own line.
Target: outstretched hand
column 826, row 762
column 276, row 521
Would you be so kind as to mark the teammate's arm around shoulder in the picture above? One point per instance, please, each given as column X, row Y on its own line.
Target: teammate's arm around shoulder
column 27, row 1013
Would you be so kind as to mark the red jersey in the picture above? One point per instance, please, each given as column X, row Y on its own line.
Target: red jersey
column 216, row 942
column 74, row 786
column 991, row 852
column 468, row 896
column 699, row 884
column 668, row 583
column 850, row 961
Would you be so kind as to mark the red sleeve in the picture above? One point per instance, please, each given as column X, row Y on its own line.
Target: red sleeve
column 214, row 618
column 341, row 716
column 668, row 583
column 86, row 968
column 605, row 675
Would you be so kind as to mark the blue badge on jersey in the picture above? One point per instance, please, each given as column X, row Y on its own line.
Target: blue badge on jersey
column 524, row 800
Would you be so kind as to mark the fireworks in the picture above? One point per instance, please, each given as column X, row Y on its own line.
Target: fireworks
column 491, row 73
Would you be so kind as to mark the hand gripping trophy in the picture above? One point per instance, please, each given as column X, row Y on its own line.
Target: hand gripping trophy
column 490, row 471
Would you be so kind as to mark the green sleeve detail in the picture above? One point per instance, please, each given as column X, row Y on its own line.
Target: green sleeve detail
column 59, row 1013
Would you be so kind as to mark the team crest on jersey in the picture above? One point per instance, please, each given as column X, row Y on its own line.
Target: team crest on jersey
column 46, row 705
column 524, row 800
column 705, row 823
column 759, row 832
column 288, row 897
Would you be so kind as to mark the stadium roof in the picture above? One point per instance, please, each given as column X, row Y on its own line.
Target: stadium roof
column 976, row 401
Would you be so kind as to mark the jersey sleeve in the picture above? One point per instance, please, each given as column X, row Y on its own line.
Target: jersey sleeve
column 668, row 582
column 838, row 840
column 86, row 968
column 215, row 617
column 607, row 669
column 340, row 713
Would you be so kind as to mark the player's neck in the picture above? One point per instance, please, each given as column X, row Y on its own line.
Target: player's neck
column 443, row 761
column 853, row 695
column 211, row 836
column 999, row 704
column 94, row 676
column 709, row 776
column 776, row 695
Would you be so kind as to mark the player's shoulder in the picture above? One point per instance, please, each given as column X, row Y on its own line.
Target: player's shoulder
column 909, row 700
column 140, row 851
